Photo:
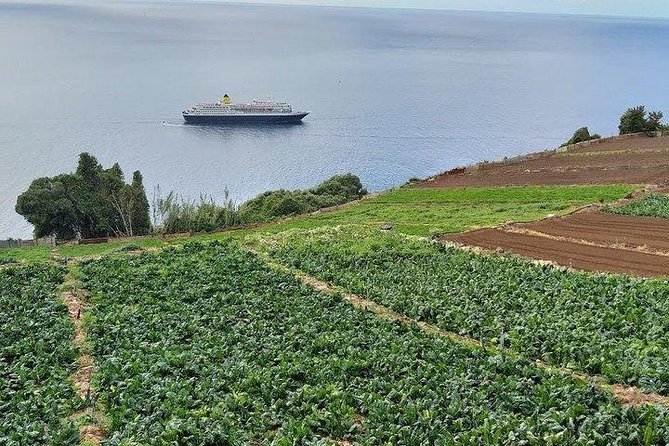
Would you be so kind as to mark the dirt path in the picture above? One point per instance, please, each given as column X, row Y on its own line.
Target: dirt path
column 625, row 395
column 639, row 160
column 91, row 429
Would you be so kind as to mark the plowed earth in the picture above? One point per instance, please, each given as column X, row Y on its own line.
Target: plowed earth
column 572, row 253
column 638, row 160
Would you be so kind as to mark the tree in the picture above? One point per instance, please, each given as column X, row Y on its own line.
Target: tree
column 141, row 221
column 91, row 202
column 634, row 120
column 48, row 206
column 654, row 121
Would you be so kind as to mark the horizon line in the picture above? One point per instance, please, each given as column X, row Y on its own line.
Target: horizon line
column 411, row 8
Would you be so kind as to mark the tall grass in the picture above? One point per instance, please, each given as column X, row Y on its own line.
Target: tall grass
column 173, row 213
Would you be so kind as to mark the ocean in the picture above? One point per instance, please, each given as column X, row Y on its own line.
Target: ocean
column 393, row 94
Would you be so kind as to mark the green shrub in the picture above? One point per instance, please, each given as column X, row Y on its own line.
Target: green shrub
column 581, row 135
column 332, row 192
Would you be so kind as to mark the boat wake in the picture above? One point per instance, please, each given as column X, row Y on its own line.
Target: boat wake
column 170, row 124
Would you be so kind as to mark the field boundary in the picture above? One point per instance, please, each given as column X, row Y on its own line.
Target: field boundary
column 625, row 395
column 90, row 430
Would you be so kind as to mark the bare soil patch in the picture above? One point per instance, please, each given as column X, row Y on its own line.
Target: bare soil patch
column 567, row 253
column 645, row 234
column 638, row 160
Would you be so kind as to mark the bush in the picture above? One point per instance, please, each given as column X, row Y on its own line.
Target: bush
column 581, row 135
column 332, row 192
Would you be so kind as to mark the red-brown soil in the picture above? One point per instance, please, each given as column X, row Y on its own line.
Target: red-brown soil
column 600, row 228
column 567, row 253
column 638, row 160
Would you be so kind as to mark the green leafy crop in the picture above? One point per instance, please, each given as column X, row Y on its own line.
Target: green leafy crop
column 608, row 325
column 36, row 358
column 654, row 205
column 206, row 345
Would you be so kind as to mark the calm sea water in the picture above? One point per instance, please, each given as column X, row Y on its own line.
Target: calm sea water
column 393, row 94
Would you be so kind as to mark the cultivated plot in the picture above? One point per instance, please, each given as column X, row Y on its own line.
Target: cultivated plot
column 608, row 325
column 208, row 345
column 37, row 357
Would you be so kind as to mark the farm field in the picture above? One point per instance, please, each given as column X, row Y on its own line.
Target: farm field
column 208, row 345
column 567, row 253
column 436, row 211
column 36, row 359
column 607, row 325
column 606, row 229
column 639, row 160
column 654, row 205
column 196, row 340
column 418, row 212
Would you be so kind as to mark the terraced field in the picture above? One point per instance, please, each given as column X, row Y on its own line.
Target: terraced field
column 614, row 326
column 633, row 160
column 36, row 359
column 207, row 345
column 579, row 254
column 409, row 341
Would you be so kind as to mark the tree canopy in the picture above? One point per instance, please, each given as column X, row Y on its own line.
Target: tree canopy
column 91, row 202
column 634, row 120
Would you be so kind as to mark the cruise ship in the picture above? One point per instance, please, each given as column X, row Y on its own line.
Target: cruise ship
column 255, row 112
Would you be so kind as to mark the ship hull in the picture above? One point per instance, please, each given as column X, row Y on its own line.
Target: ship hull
column 293, row 118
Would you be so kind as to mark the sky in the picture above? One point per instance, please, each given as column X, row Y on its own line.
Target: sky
column 630, row 8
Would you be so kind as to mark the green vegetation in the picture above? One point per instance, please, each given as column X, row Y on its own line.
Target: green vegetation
column 36, row 359
column 92, row 202
column 653, row 205
column 173, row 214
column 436, row 211
column 31, row 254
column 206, row 345
column 614, row 326
column 581, row 135
column 271, row 205
column 634, row 120
column 411, row 211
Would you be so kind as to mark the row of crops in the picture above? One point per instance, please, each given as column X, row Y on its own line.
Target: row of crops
column 36, row 359
column 653, row 205
column 205, row 345
column 613, row 326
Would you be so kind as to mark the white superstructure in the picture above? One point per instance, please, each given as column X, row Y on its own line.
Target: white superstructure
column 226, row 107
